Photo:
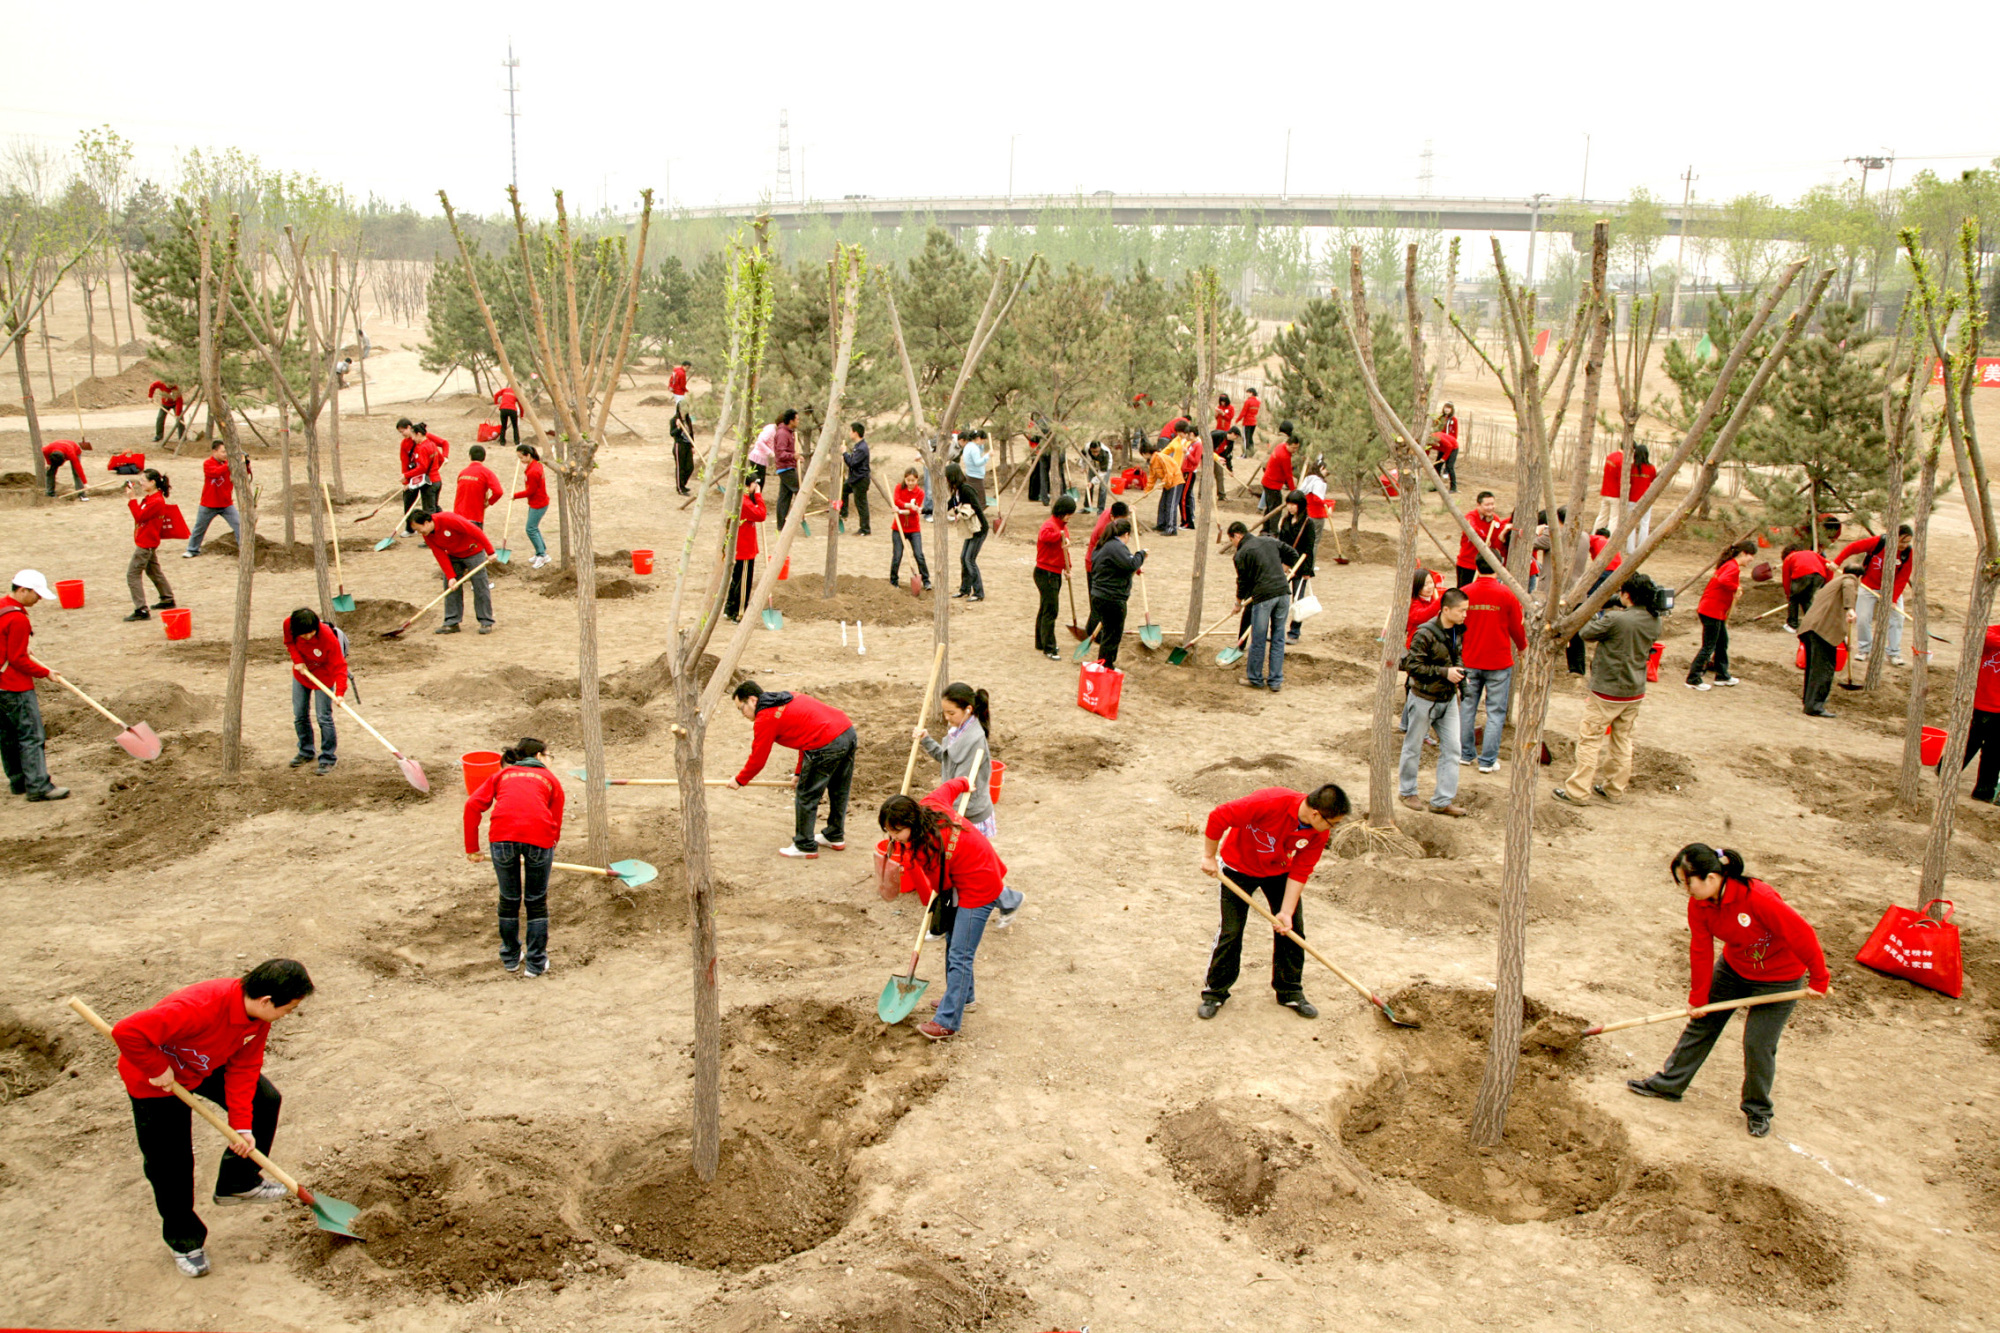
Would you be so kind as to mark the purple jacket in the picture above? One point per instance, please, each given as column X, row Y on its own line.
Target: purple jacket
column 785, row 449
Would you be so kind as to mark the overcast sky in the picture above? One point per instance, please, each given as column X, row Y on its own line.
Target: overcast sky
column 904, row 99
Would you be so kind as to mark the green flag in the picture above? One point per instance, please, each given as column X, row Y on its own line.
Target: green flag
column 1704, row 349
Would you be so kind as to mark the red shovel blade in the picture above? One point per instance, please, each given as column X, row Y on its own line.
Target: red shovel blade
column 139, row 741
column 916, row 588
column 413, row 773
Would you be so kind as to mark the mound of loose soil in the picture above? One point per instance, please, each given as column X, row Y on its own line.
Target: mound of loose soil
column 873, row 601
column 375, row 615
column 560, row 723
column 30, row 1057
column 13, row 481
column 162, row 704
column 907, row 1287
column 1885, row 710
column 1252, row 1159
column 1753, row 1242
column 1363, row 548
column 278, row 558
column 1070, row 758
column 656, row 400
column 1420, row 896
column 121, row 390
column 883, row 715
column 1559, row 1156
column 608, row 589
column 1226, row 779
column 367, row 651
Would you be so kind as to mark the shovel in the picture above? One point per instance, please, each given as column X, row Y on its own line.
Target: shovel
column 378, row 508
column 390, row 540
column 1180, row 655
column 343, row 601
column 1233, row 654
column 581, row 776
column 930, row 697
column 1076, row 630
column 397, row 632
column 1085, row 649
column 630, row 873
column 1339, row 551
column 772, row 616
column 330, row 1214
column 1715, row 1008
column 901, row 993
column 413, row 772
column 501, row 553
column 1294, row 937
column 137, row 740
column 1150, row 635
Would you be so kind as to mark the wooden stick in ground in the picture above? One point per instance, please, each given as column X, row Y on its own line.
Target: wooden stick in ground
column 507, row 523
column 1719, row 1006
column 916, row 743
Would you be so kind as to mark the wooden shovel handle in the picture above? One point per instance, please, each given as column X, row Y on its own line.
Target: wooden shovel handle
column 1233, row 611
column 320, row 685
column 1297, row 939
column 606, row 872
column 326, row 490
column 930, row 695
column 59, row 679
column 924, row 915
column 507, row 523
column 1716, row 1008
column 449, row 589
column 200, row 1105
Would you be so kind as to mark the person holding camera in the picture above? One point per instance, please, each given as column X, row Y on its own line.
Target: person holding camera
column 1624, row 633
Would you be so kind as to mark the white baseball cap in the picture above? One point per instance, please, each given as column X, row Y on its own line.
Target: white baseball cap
column 34, row 581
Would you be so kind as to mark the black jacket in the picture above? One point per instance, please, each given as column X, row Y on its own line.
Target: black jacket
column 1261, row 565
column 856, row 462
column 1111, row 570
column 1433, row 651
column 1297, row 533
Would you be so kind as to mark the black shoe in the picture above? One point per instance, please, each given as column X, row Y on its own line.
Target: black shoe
column 1301, row 1006
column 139, row 613
column 52, row 794
column 167, row 605
column 445, row 629
column 14, row 790
column 1208, row 1009
column 1819, row 712
column 326, row 765
column 1057, row 657
column 300, row 761
column 963, row 592
column 485, row 629
column 1760, row 1125
column 1644, row 1087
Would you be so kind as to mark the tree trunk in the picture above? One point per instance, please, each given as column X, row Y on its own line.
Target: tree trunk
column 34, row 422
column 1385, row 752
column 1204, row 323
column 208, row 304
column 835, row 516
column 89, row 325
column 1909, row 776
column 690, row 735
column 1534, row 668
column 111, row 316
column 131, row 323
column 334, row 311
column 941, row 571
column 285, row 469
column 1885, row 609
column 321, row 580
column 562, row 521
column 597, row 813
column 1978, row 610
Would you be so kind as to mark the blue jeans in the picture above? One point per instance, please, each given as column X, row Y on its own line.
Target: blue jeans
column 1497, row 686
column 916, row 540
column 523, row 871
column 535, row 530
column 969, row 579
column 1267, row 635
column 1864, row 623
column 303, row 707
column 1425, row 714
column 203, row 516
column 967, row 926
column 1169, row 518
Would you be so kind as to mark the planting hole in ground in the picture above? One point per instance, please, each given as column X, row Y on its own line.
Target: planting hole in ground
column 30, row 1058
column 1254, row 1160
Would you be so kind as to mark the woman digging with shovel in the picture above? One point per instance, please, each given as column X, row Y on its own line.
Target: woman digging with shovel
column 965, row 753
column 1767, row 949
column 947, row 854
column 1051, row 564
column 527, row 804
column 314, row 647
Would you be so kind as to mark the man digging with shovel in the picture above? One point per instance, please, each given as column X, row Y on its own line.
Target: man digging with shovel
column 22, row 740
column 1267, row 842
column 825, row 740
column 209, row 1037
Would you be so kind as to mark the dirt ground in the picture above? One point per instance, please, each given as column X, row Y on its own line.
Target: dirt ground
column 1086, row 1152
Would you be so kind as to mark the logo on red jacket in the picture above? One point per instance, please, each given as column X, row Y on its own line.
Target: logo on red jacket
column 1743, row 919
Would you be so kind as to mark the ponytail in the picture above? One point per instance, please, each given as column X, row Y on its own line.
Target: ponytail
column 1698, row 860
column 159, row 479
column 975, row 701
column 528, row 450
column 526, row 748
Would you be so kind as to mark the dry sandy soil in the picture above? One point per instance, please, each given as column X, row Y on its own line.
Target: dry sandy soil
column 1086, row 1152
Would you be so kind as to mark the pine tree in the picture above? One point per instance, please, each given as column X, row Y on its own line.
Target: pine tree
column 165, row 276
column 1320, row 390
column 1823, row 432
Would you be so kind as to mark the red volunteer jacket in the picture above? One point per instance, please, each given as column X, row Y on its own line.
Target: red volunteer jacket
column 1190, row 459
column 1096, row 536
column 421, row 463
column 527, row 804
column 1468, row 554
column 169, row 395
column 1720, row 595
column 1614, row 463
column 746, row 531
column 800, row 723
column 218, row 488
column 477, row 488
column 58, row 452
column 195, row 1032
column 455, row 535
column 318, row 652
column 1420, row 611
column 534, row 485
column 440, row 451
column 1985, row 697
column 974, row 871
column 909, row 508
column 1052, row 546
column 677, row 380
column 1493, row 626
column 1225, row 417
column 1597, row 544
column 1763, row 939
column 506, row 400
column 1278, row 471
column 1800, row 563
column 1872, row 577
column 1262, row 834
column 149, row 515
column 1642, row 477
column 1248, row 416
column 18, row 668
column 406, row 458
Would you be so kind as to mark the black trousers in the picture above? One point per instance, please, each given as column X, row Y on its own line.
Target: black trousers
column 1288, row 960
column 1983, row 739
column 1448, row 469
column 854, row 499
column 163, row 1125
column 509, row 419
column 1048, row 582
column 75, row 471
column 1464, row 575
column 1800, row 598
column 742, row 577
column 683, row 463
column 1819, row 671
column 1762, row 1026
column 916, row 540
column 1714, row 650
column 1107, row 619
column 431, row 489
column 788, row 489
column 829, row 772
column 1249, row 440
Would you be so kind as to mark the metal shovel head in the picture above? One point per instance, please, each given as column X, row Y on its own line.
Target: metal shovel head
column 1229, row 656
column 1151, row 636
column 343, row 602
column 916, row 588
column 503, row 556
column 1076, row 632
column 634, row 873
column 1000, row 526
column 899, row 996
column 413, row 773
column 1083, row 650
column 805, row 528
column 333, row 1215
column 773, row 618
column 139, row 741
column 1179, row 656
column 385, row 543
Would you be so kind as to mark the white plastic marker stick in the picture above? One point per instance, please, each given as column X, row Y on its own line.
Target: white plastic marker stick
column 843, row 633
column 859, row 640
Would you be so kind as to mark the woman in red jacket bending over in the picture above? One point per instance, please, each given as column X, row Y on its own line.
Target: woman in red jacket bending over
column 527, row 802
column 146, row 497
column 946, row 854
column 1767, row 948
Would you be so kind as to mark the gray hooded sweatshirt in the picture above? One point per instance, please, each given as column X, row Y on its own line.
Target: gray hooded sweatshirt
column 958, row 756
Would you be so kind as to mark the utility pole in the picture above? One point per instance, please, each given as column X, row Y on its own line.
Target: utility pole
column 1285, row 189
column 1680, row 254
column 510, row 64
column 784, row 190
column 1867, row 162
column 1534, row 226
column 1583, row 194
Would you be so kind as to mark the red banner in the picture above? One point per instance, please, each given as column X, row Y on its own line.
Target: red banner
column 1987, row 376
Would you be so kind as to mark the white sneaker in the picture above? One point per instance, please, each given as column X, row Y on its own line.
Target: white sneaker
column 1489, row 768
column 192, row 1264
column 189, row 555
column 265, row 1191
column 1699, row 684
column 796, row 854
column 1004, row 920
column 1729, row 680
column 1897, row 661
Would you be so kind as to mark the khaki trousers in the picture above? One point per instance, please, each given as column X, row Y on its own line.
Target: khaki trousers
column 1599, row 713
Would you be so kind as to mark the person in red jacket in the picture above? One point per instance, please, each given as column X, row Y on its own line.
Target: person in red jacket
column 1802, row 571
column 1426, row 600
column 1443, row 447
column 1494, row 632
column 319, row 648
column 527, row 804
column 1119, row 509
column 146, row 496
column 1267, row 842
column 825, row 740
column 743, row 574
column 407, row 469
column 908, row 500
column 1191, row 458
column 218, row 498
column 677, row 383
column 1484, row 519
column 1981, row 738
column 1767, row 949
column 509, row 404
column 461, row 547
column 944, row 853
column 477, row 488
column 1247, row 420
column 1868, row 554
column 209, row 1039
column 1278, row 479
column 426, row 468
column 168, row 396
column 1643, row 473
column 1717, row 599
column 55, row 453
column 1051, row 563
column 1225, row 412
column 23, row 741
column 1609, row 511
column 535, row 490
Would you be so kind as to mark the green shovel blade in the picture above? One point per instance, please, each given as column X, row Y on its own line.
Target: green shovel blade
column 385, row 543
column 1229, row 657
column 805, row 528
column 502, row 556
column 1084, row 650
column 1178, row 657
column 634, row 873
column 774, row 618
column 1151, row 636
column 335, row 1216
column 898, row 997
column 343, row 602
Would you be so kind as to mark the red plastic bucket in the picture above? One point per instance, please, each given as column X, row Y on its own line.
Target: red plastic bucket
column 479, row 765
column 642, row 562
column 1933, row 746
column 1839, row 657
column 179, row 622
column 993, row 783
column 69, row 592
column 785, row 570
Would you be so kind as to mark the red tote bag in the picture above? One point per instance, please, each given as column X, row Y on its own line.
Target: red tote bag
column 1097, row 689
column 174, row 525
column 1910, row 945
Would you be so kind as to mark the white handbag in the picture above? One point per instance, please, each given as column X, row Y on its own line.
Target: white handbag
column 1306, row 607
